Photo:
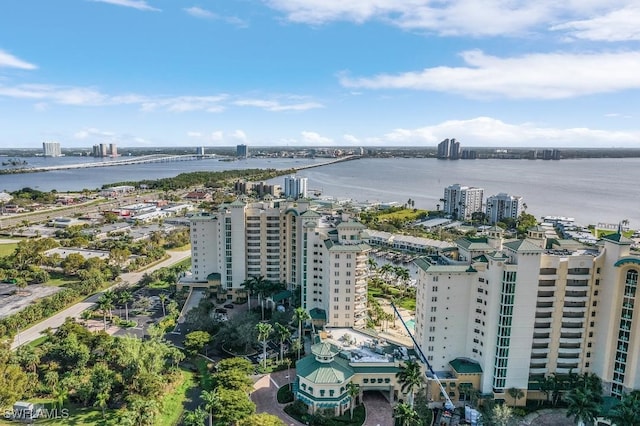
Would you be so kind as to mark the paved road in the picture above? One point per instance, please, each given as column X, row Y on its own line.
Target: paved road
column 74, row 311
column 265, row 392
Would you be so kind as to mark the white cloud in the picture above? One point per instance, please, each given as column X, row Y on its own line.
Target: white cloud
column 277, row 106
column 199, row 12
column 92, row 132
column 216, row 136
column 350, row 139
column 617, row 25
column 135, row 4
column 194, row 134
column 533, row 76
column 487, row 131
column 7, row 60
column 313, row 138
column 239, row 136
column 450, row 17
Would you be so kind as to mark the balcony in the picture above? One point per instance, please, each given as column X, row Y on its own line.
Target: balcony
column 542, row 325
column 569, row 353
column 542, row 295
column 539, row 353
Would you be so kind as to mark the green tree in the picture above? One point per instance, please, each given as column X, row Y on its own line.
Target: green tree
column 626, row 412
column 235, row 364
column 410, row 378
column 261, row 419
column 232, row 379
column 125, row 297
column 163, row 300
column 283, row 333
column 195, row 341
column 105, row 304
column 14, row 383
column 212, row 403
column 194, row 418
column 515, row 394
column 502, row 415
column 582, row 405
column 300, row 315
column 234, row 406
column 405, row 415
column 353, row 390
column 264, row 331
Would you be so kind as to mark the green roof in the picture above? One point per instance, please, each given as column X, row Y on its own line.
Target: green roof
column 449, row 268
column 523, row 245
column 374, row 369
column 482, row 258
column 214, row 276
column 282, row 295
column 325, row 349
column 465, row 366
column 617, row 238
column 333, row 246
column 473, row 243
column 310, row 213
column 350, row 225
column 422, row 263
column 318, row 314
column 336, row 371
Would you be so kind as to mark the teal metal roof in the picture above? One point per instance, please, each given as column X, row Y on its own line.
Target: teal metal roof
column 318, row 314
column 450, row 268
column 336, row 371
column 473, row 243
column 284, row 294
column 214, row 276
column 465, row 366
column 523, row 245
column 617, row 238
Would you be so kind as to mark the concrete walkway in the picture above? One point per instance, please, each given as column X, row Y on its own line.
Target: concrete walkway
column 547, row 417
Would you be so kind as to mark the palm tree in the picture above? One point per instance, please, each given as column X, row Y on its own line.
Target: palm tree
column 249, row 286
column 410, row 378
column 283, row 334
column 405, row 415
column 626, row 412
column 125, row 297
column 582, row 405
column 515, row 394
column 264, row 331
column 194, row 418
column 105, row 304
column 109, row 294
column 163, row 299
column 353, row 390
column 300, row 315
column 211, row 402
column 502, row 415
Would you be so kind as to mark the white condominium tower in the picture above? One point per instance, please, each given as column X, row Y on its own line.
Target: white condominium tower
column 284, row 242
column 462, row 201
column 524, row 309
column 503, row 206
column 295, row 187
column 51, row 149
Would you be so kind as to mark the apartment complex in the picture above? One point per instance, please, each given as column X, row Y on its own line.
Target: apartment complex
column 295, row 187
column 326, row 256
column 449, row 149
column 104, row 150
column 523, row 309
column 503, row 206
column 51, row 149
column 462, row 201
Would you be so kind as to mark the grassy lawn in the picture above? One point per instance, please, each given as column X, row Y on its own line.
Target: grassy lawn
column 172, row 403
column 35, row 343
column 183, row 248
column 59, row 280
column 7, row 249
column 404, row 215
column 72, row 416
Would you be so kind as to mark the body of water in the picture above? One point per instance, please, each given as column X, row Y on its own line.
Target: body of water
column 590, row 190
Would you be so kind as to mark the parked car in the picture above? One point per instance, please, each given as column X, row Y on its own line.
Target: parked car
column 229, row 306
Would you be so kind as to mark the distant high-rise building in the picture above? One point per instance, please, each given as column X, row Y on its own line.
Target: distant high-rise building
column 200, row 150
column 551, row 154
column 242, row 151
column 51, row 149
column 462, row 201
column 295, row 187
column 449, row 149
column 105, row 150
column 503, row 206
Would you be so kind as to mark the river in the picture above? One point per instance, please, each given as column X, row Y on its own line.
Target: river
column 590, row 190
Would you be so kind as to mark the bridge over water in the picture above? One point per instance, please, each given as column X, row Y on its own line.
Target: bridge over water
column 144, row 159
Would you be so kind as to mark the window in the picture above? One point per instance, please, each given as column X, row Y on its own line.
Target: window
column 432, row 338
column 433, row 309
column 434, row 299
column 336, row 307
column 434, row 288
column 336, row 299
column 337, row 265
column 432, row 319
column 336, row 290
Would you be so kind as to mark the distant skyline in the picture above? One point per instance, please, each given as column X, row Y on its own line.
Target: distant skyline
column 320, row 73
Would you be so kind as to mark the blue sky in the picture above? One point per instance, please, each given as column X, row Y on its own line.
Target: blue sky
column 320, row 72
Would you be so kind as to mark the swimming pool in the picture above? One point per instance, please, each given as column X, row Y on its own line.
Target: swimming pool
column 411, row 325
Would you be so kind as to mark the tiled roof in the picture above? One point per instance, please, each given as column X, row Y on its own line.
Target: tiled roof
column 523, row 245
column 465, row 366
column 336, row 371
